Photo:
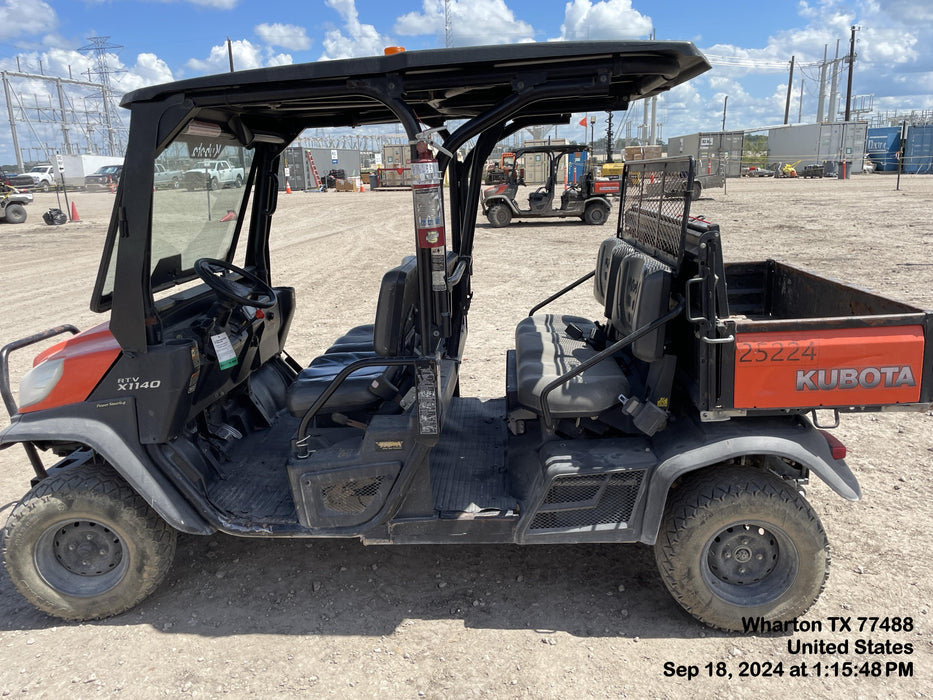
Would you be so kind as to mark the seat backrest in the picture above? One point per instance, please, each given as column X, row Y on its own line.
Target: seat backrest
column 604, row 269
column 642, row 294
column 394, row 325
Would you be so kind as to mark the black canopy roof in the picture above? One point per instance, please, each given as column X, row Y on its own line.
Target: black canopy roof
column 438, row 85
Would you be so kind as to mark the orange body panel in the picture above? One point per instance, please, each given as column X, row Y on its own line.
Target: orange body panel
column 607, row 187
column 837, row 367
column 87, row 357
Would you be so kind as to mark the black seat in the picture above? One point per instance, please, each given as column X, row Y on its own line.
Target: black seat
column 637, row 290
column 393, row 335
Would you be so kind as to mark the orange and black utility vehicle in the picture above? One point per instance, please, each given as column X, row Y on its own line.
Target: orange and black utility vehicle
column 679, row 418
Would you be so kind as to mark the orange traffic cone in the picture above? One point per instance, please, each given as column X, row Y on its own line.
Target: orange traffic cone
column 361, row 185
column 112, row 190
column 74, row 213
column 229, row 216
column 288, row 188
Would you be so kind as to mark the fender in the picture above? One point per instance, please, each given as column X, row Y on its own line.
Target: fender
column 598, row 198
column 808, row 450
column 131, row 463
column 497, row 199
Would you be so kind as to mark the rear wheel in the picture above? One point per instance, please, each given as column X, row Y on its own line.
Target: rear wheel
column 696, row 192
column 15, row 213
column 499, row 215
column 239, row 182
column 739, row 543
column 83, row 545
column 596, row 214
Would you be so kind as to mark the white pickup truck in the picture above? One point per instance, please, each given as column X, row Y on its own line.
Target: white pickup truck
column 43, row 176
column 164, row 178
column 213, row 174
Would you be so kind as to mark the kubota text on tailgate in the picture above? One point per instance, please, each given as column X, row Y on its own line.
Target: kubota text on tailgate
column 836, row 367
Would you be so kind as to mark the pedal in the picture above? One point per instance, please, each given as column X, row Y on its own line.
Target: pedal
column 225, row 432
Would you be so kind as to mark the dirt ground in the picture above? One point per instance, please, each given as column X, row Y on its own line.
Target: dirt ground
column 243, row 617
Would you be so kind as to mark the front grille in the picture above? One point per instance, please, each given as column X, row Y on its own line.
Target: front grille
column 574, row 502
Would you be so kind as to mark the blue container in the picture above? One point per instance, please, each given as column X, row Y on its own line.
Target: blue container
column 918, row 154
column 576, row 166
column 881, row 147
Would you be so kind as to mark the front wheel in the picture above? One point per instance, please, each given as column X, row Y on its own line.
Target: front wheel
column 737, row 544
column 15, row 213
column 83, row 545
column 696, row 191
column 596, row 214
column 499, row 215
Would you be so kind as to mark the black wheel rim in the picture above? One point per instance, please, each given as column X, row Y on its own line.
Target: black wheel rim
column 598, row 216
column 749, row 563
column 81, row 558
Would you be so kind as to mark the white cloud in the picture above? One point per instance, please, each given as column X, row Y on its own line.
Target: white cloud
column 149, row 70
column 25, row 18
column 288, row 36
column 585, row 20
column 360, row 39
column 472, row 22
column 246, row 55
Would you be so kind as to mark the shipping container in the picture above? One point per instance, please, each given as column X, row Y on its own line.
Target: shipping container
column 882, row 145
column 396, row 166
column 716, row 152
column 829, row 143
column 535, row 164
column 300, row 177
column 918, row 152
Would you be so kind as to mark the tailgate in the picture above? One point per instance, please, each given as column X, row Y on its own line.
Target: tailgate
column 840, row 368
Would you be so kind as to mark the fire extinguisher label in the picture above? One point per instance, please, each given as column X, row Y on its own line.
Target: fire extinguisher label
column 425, row 173
column 428, row 211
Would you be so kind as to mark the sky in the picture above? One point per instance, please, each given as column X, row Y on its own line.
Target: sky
column 749, row 43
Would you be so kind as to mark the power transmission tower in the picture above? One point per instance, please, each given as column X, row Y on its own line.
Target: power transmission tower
column 99, row 48
column 447, row 28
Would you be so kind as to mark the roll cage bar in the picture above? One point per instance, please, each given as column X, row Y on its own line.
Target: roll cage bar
column 491, row 92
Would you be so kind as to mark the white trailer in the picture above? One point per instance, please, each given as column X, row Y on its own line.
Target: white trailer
column 76, row 167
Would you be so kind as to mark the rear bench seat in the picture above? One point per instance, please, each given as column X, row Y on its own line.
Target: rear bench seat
column 392, row 335
column 636, row 291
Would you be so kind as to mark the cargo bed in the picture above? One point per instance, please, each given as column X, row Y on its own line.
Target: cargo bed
column 803, row 341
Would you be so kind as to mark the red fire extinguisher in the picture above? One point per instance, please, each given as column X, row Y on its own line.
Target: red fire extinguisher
column 429, row 211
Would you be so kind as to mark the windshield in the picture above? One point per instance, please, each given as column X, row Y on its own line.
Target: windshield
column 194, row 213
column 108, row 169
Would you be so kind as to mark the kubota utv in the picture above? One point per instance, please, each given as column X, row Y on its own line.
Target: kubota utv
column 578, row 200
column 677, row 418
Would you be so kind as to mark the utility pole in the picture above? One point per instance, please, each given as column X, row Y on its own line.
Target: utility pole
column 833, row 107
column 821, row 101
column 609, row 139
column 800, row 110
column 790, row 85
column 230, row 53
column 851, row 66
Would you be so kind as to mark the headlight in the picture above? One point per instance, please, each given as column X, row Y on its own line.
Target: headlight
column 38, row 382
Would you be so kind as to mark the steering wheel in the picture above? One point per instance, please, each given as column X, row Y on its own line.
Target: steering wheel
column 215, row 274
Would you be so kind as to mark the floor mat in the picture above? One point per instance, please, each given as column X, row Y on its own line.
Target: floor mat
column 256, row 485
column 468, row 465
